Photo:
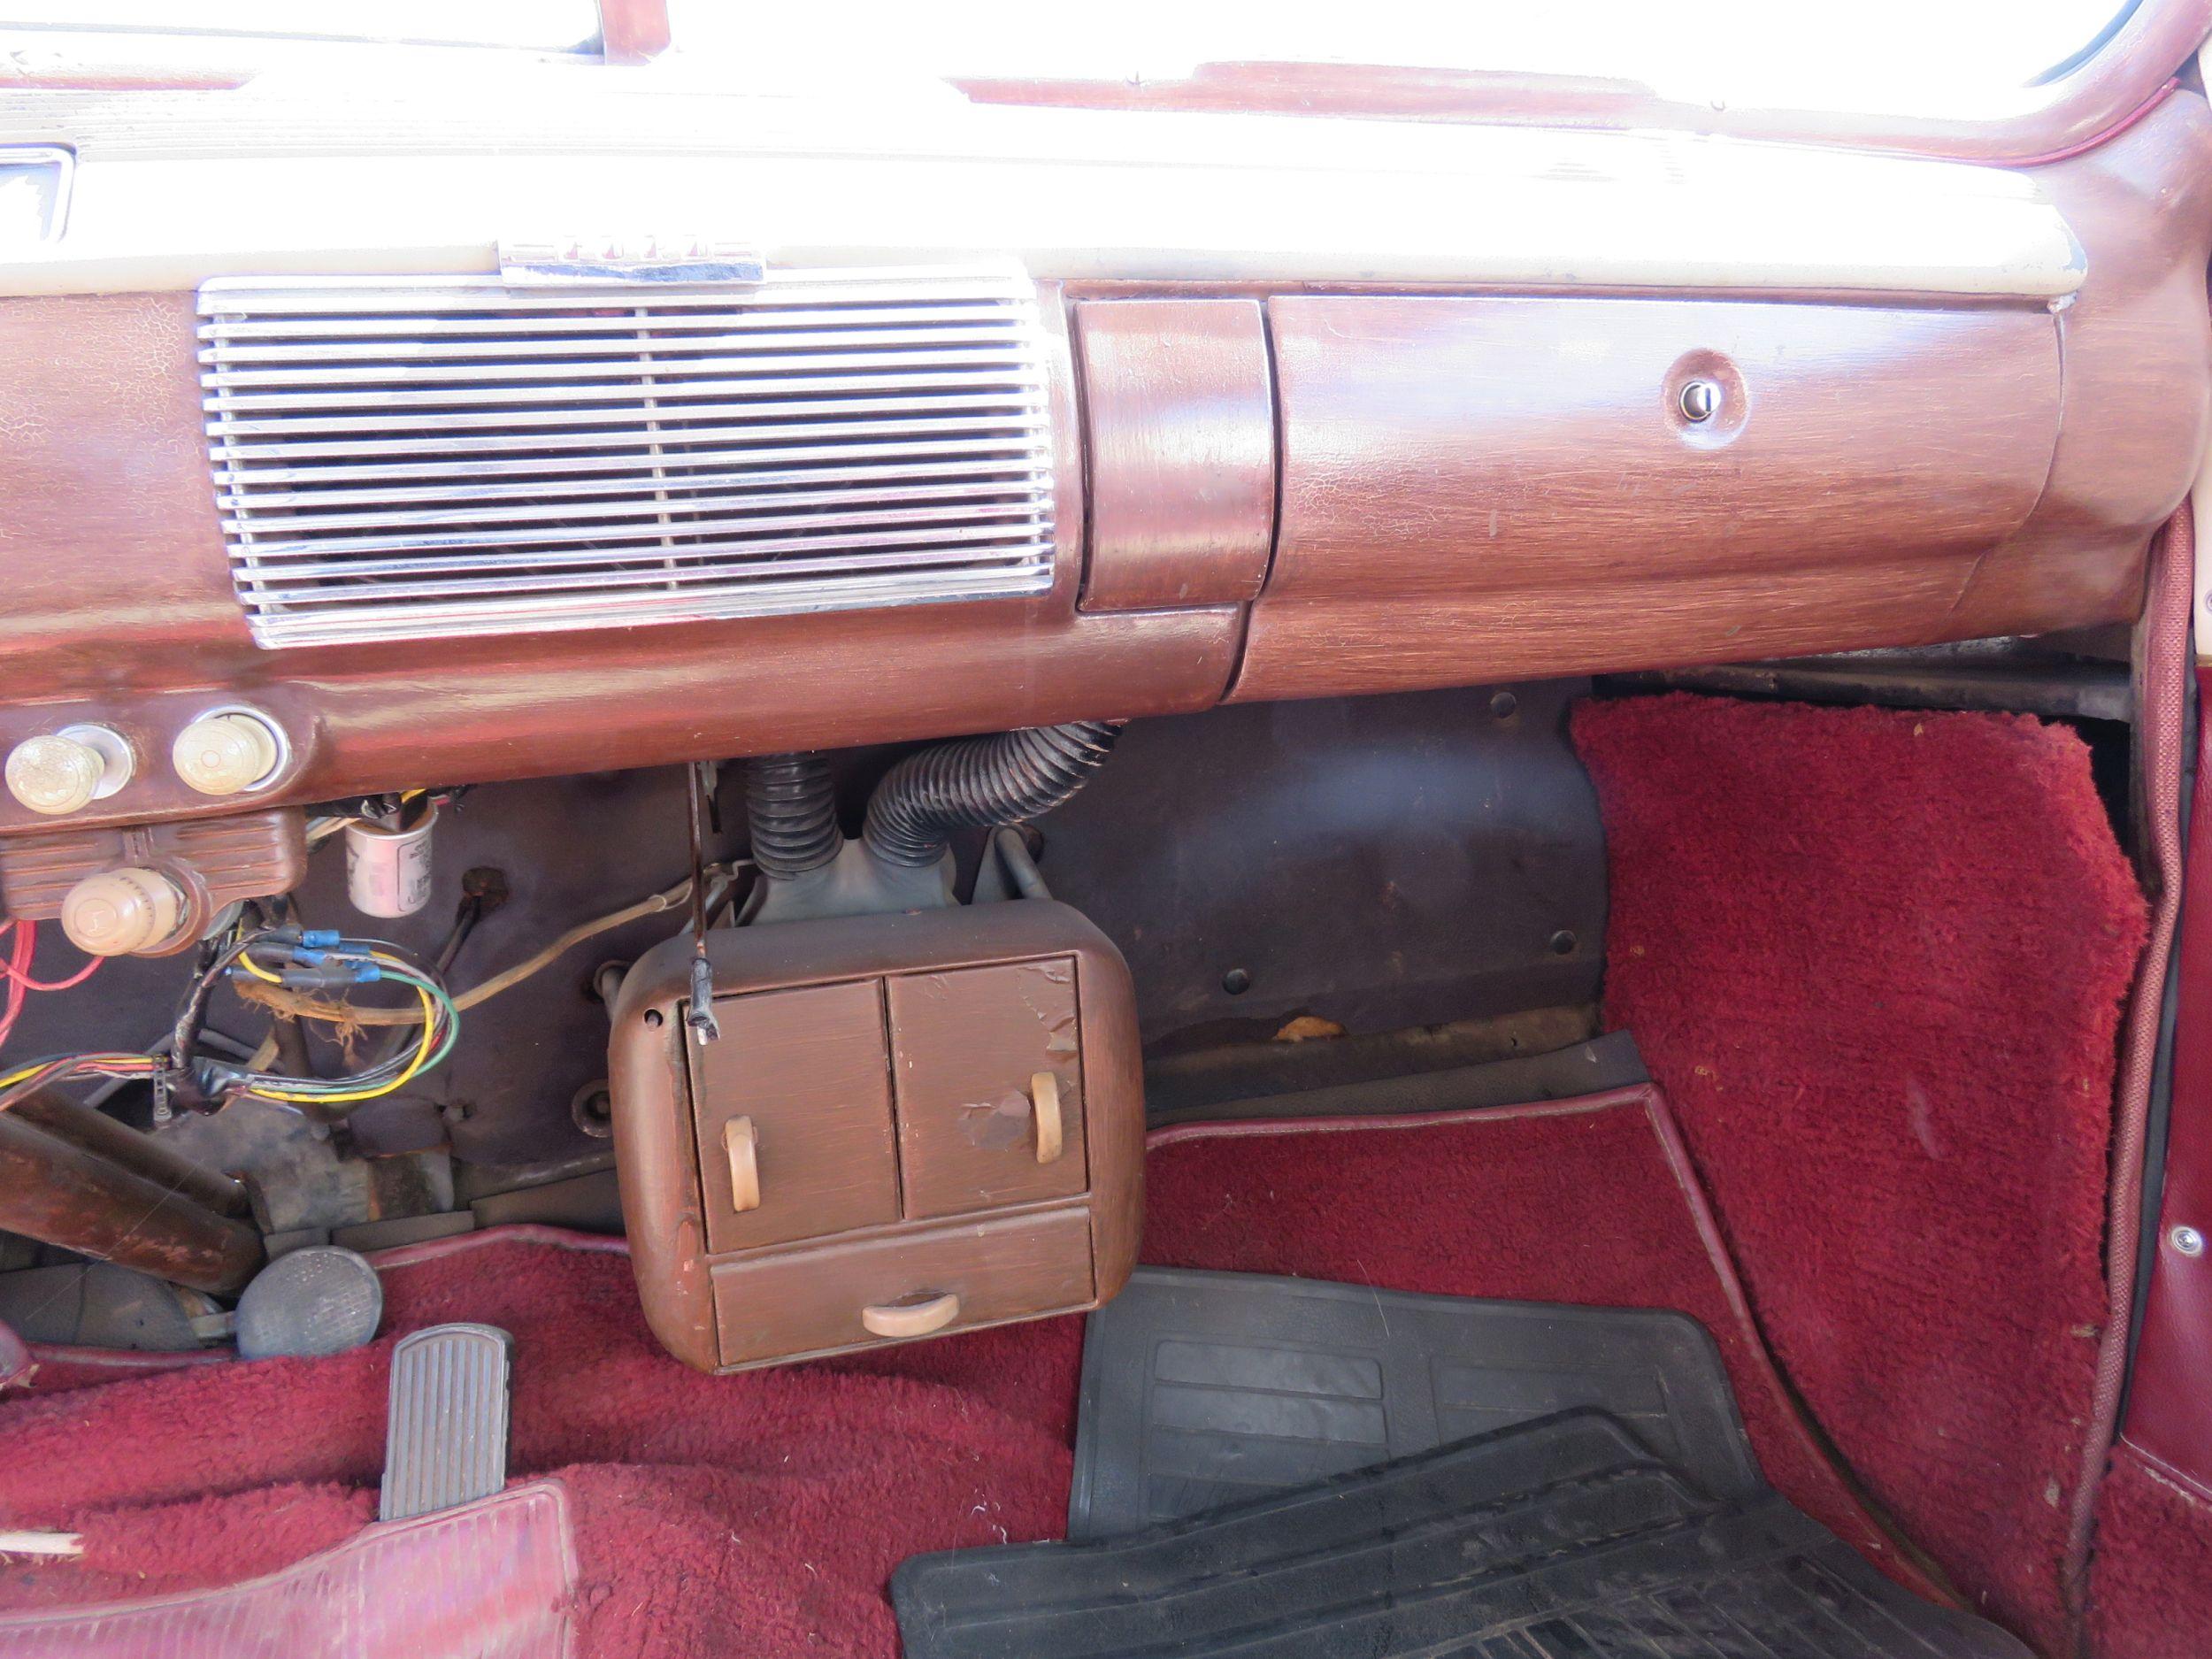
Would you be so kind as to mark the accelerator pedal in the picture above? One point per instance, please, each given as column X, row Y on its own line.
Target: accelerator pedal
column 445, row 1442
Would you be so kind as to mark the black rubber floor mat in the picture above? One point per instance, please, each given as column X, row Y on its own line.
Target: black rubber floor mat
column 1565, row 1537
column 1203, row 1389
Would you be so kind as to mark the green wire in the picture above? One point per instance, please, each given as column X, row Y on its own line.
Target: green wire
column 450, row 1022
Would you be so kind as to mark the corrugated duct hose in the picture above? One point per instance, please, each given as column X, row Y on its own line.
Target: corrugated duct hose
column 978, row 782
column 791, row 811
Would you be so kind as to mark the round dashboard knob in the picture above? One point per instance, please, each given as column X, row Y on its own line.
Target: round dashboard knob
column 119, row 912
column 55, row 774
column 226, row 753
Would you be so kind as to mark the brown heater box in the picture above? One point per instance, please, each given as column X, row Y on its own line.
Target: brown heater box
column 910, row 1126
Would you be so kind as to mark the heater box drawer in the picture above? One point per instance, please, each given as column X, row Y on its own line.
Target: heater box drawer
column 931, row 1283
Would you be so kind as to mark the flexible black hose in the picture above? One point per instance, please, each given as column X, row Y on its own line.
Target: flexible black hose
column 791, row 811
column 978, row 782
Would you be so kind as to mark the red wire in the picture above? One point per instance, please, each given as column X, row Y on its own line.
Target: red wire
column 20, row 959
column 17, row 971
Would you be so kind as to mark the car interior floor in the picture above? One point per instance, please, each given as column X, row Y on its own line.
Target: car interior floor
column 1235, row 839
column 1799, row 1019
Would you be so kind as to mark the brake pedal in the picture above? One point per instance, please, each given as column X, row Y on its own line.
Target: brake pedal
column 445, row 1442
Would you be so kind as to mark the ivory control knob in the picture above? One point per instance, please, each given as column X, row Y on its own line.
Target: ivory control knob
column 226, row 753
column 118, row 912
column 55, row 774
column 66, row 770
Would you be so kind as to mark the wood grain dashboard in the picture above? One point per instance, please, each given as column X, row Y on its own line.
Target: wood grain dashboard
column 1268, row 491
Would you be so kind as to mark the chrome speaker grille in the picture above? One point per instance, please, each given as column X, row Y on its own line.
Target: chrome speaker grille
column 416, row 457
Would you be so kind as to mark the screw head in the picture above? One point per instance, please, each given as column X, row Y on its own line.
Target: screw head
column 1700, row 400
column 2188, row 1240
column 1237, row 981
column 592, row 1110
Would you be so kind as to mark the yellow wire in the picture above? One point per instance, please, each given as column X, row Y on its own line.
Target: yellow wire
column 109, row 1061
column 422, row 1054
column 422, row 1050
column 508, row 978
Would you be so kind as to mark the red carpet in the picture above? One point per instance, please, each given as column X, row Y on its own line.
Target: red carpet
column 775, row 1504
column 779, row 1499
column 1878, row 960
column 1603, row 1211
column 2151, row 1589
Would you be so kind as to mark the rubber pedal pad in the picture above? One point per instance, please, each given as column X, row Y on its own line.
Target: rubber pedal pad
column 446, row 1434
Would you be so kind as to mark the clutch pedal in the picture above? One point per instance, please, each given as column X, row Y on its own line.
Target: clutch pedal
column 445, row 1442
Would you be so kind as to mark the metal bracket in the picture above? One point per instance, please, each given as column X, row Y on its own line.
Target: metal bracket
column 700, row 1015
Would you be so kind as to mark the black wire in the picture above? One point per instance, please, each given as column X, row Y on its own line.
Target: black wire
column 215, row 963
column 184, row 1038
column 465, row 917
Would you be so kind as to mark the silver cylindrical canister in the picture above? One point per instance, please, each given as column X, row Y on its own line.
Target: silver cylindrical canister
column 387, row 867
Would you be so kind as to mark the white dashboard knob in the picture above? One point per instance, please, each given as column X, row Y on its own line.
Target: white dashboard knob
column 119, row 912
column 56, row 774
column 226, row 753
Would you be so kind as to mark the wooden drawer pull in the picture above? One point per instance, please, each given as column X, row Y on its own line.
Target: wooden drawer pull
column 742, row 1145
column 912, row 1315
column 1044, row 1090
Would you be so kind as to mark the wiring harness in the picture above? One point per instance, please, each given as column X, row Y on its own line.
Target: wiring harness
column 306, row 973
column 59, row 1069
column 320, row 968
column 322, row 964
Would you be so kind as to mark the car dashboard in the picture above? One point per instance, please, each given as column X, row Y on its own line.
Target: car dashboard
column 1032, row 415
